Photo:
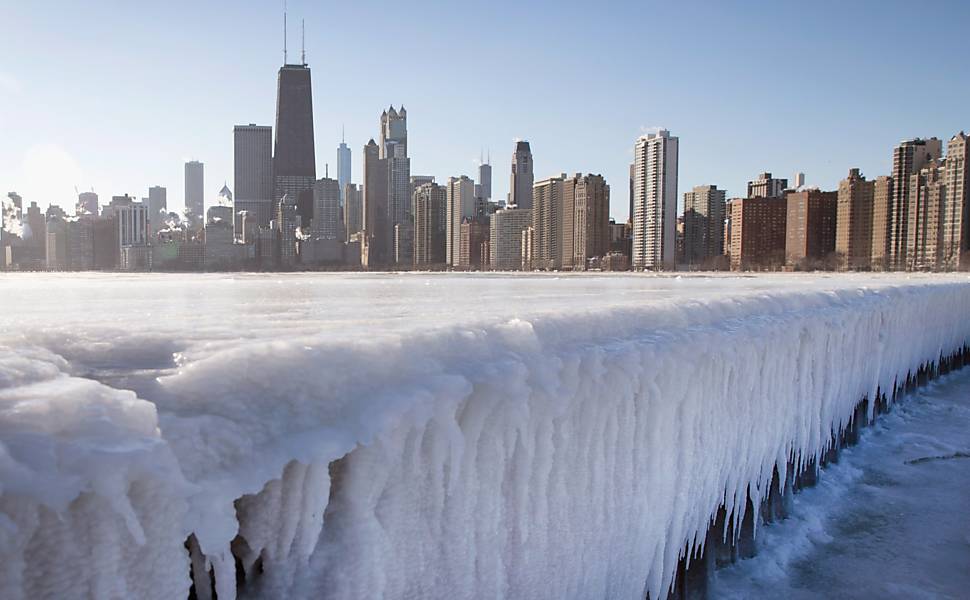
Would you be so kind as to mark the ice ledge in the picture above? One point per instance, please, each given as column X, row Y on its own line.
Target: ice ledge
column 567, row 456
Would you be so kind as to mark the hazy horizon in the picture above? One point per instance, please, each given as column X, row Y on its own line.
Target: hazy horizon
column 118, row 96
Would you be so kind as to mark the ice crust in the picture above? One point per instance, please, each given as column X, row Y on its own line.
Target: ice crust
column 422, row 436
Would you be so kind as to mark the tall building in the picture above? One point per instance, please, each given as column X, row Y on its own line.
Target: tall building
column 430, row 224
column 810, row 227
column 473, row 236
column 629, row 217
column 394, row 150
column 87, row 204
column 484, row 187
column 133, row 236
column 460, row 205
column 798, row 180
column 882, row 210
column 520, row 184
column 655, row 201
column 287, row 221
column 956, row 219
column 157, row 207
column 344, row 171
column 376, row 241
column 326, row 209
column 927, row 195
column 766, row 186
column 547, row 223
column 758, row 233
column 586, row 220
column 853, row 236
column 703, row 225
column 294, row 160
column 403, row 244
column 194, row 193
column 506, row 237
column 908, row 158
column 253, row 171
column 353, row 210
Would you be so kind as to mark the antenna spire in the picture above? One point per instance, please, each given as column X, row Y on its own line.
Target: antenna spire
column 284, row 32
column 343, row 134
column 303, row 42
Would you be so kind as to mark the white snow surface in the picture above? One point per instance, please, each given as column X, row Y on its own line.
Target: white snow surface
column 496, row 436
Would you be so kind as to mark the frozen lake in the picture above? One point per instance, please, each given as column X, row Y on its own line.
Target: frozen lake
column 891, row 520
column 423, row 435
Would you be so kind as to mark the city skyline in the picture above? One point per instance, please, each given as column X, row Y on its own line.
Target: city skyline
column 143, row 139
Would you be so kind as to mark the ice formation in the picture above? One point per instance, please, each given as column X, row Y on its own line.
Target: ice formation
column 421, row 435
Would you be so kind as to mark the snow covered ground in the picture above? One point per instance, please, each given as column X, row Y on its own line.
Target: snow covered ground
column 891, row 520
column 418, row 435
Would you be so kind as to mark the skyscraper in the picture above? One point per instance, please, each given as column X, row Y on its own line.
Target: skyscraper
column 460, row 205
column 287, row 222
column 326, row 209
column 157, row 206
column 810, row 227
column 703, row 225
column 586, row 220
column 194, row 193
column 655, row 201
column 430, row 229
column 87, row 204
column 547, row 223
column 505, row 238
column 394, row 150
column 882, row 210
column 344, row 171
column 908, row 158
column 484, row 181
column 956, row 220
column 294, row 161
column 375, row 245
column 253, row 171
column 353, row 210
column 520, row 185
column 853, row 233
column 927, row 196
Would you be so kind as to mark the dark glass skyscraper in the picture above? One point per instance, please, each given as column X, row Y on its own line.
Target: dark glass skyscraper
column 294, row 161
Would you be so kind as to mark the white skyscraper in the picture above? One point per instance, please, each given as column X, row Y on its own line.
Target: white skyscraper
column 460, row 204
column 344, row 173
column 655, row 201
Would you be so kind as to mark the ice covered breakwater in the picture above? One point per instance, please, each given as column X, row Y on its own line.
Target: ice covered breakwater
column 582, row 451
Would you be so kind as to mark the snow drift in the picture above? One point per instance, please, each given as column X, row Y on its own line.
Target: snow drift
column 567, row 453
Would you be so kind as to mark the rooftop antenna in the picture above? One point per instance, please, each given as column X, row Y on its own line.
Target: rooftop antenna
column 284, row 32
column 343, row 134
column 303, row 42
column 326, row 170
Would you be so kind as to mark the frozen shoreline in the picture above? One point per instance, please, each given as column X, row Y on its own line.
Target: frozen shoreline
column 566, row 443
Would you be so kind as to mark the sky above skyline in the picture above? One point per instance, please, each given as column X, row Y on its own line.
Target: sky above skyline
column 116, row 96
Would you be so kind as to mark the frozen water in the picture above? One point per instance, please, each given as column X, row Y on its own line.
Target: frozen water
column 420, row 435
column 890, row 520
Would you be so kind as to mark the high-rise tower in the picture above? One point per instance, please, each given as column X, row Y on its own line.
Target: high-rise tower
column 908, row 158
column 253, row 171
column 394, row 149
column 194, row 193
column 485, row 179
column 294, row 161
column 344, row 172
column 520, row 186
column 655, row 201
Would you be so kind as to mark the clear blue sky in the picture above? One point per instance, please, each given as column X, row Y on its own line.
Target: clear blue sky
column 117, row 95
